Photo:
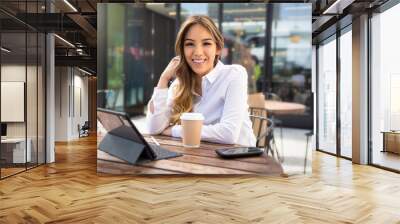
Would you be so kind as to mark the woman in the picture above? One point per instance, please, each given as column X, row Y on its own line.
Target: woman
column 204, row 85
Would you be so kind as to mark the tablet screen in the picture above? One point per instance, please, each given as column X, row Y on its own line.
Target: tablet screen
column 118, row 125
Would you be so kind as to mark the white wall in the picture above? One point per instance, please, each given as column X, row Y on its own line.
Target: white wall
column 61, row 103
column 13, row 73
column 71, row 94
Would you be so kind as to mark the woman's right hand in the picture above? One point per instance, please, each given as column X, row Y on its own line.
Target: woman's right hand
column 168, row 73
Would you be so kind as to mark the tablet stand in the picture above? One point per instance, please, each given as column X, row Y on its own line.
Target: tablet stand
column 122, row 148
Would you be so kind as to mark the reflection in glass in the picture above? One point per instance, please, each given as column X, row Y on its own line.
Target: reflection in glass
column 327, row 97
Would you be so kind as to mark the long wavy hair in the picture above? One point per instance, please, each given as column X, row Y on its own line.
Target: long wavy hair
column 183, row 92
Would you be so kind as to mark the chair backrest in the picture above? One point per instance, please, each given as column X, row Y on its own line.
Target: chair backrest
column 258, row 111
column 263, row 129
column 86, row 125
column 272, row 96
column 256, row 100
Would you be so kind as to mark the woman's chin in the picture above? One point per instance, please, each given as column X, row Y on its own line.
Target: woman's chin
column 200, row 72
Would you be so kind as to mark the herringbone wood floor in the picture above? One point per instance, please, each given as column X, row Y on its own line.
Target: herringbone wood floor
column 70, row 191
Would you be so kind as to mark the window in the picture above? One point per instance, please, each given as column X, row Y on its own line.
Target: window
column 327, row 96
column 22, row 76
column 385, row 88
column 346, row 94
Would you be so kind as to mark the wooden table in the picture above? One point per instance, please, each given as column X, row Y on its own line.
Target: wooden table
column 281, row 107
column 201, row 160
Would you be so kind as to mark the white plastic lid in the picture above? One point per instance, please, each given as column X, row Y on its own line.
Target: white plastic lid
column 192, row 116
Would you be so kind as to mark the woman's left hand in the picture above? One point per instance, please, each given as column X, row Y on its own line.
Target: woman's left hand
column 167, row 131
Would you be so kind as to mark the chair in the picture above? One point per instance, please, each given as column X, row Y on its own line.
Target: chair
column 84, row 130
column 263, row 130
column 256, row 100
column 277, row 122
column 258, row 111
column 272, row 96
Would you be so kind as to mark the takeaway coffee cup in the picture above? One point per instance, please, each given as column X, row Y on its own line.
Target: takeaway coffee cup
column 191, row 129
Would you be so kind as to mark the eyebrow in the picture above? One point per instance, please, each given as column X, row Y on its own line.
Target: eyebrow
column 207, row 39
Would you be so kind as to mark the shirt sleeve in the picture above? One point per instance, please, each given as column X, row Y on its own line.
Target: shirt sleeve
column 234, row 113
column 162, row 102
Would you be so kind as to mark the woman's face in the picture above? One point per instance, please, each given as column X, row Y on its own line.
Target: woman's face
column 200, row 49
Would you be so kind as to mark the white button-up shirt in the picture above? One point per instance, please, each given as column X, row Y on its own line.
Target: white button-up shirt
column 223, row 104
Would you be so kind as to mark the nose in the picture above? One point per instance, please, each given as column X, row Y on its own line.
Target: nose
column 198, row 51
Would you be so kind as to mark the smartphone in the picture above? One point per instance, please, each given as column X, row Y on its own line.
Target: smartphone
column 239, row 152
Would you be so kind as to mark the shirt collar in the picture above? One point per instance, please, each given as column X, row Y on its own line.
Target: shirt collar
column 213, row 74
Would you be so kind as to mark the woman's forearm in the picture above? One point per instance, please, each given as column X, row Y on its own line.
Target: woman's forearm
column 158, row 111
column 162, row 83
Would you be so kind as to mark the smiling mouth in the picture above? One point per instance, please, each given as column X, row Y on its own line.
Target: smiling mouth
column 198, row 61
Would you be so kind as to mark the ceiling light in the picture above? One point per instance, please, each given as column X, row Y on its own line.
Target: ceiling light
column 331, row 7
column 71, row 6
column 84, row 71
column 337, row 7
column 64, row 40
column 5, row 50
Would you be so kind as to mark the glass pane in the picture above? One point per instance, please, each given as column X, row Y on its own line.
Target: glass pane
column 21, row 47
column 385, row 89
column 327, row 97
column 346, row 94
column 13, row 86
column 31, row 97
column 41, row 99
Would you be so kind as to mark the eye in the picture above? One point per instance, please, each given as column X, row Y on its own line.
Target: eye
column 207, row 43
column 188, row 44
